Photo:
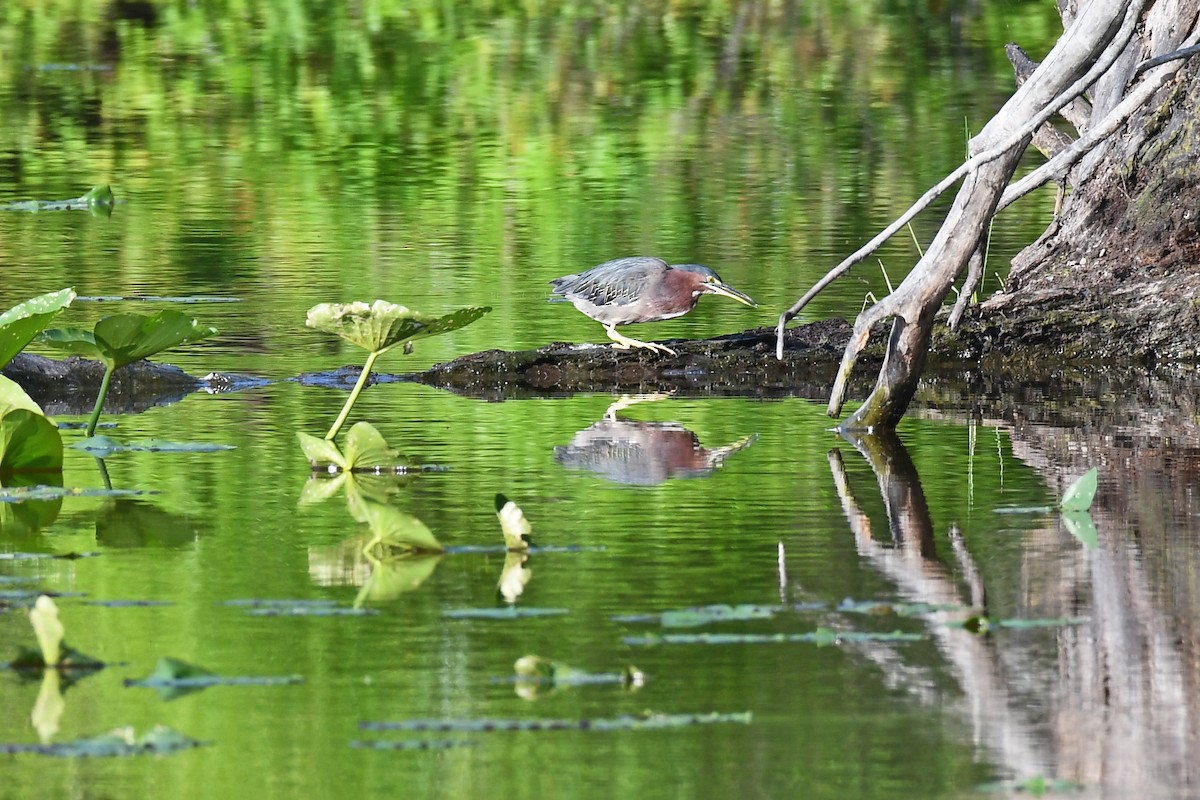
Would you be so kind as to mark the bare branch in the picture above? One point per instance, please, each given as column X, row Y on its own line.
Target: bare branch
column 1114, row 48
column 1058, row 167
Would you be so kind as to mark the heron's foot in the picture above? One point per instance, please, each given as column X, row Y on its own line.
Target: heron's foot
column 621, row 342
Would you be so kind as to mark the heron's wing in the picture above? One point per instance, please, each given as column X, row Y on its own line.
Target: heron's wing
column 618, row 282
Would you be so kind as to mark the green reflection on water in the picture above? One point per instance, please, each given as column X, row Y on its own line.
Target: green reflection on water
column 290, row 154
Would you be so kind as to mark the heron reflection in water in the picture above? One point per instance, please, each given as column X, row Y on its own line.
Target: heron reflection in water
column 642, row 453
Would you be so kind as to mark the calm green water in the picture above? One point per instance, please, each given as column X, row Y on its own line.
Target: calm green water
column 438, row 157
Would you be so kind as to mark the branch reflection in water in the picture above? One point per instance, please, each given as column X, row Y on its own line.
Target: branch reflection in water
column 643, row 453
column 909, row 560
column 1106, row 706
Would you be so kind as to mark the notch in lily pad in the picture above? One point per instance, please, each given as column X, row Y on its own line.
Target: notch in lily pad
column 378, row 327
column 122, row 339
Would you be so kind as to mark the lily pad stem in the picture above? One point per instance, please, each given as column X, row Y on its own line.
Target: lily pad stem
column 354, row 393
column 94, row 420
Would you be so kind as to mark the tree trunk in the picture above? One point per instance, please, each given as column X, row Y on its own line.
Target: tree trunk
column 1115, row 273
column 1115, row 276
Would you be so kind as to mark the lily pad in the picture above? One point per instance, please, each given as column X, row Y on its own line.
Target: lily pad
column 104, row 446
column 120, row 742
column 121, row 339
column 646, row 721
column 821, row 636
column 706, row 615
column 507, row 612
column 381, row 326
column 365, row 450
column 310, row 611
column 413, row 744
column 981, row 624
column 21, row 494
column 1079, row 495
column 28, row 442
column 534, row 673
column 173, row 678
column 21, row 323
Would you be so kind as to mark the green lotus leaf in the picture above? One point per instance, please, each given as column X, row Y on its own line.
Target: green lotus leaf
column 125, row 338
column 366, row 448
column 101, row 195
column 1079, row 495
column 28, row 441
column 320, row 452
column 12, row 396
column 75, row 341
column 25, row 320
column 381, row 325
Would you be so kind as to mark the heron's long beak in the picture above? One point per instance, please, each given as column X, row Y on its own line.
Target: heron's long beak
column 728, row 291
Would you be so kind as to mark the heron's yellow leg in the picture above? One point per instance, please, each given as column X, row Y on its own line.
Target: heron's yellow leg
column 621, row 342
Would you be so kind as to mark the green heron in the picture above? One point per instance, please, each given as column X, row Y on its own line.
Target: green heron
column 640, row 289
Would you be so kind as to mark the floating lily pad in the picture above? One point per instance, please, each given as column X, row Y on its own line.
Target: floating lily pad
column 121, row 742
column 507, row 612
column 22, row 494
column 647, row 721
column 98, row 199
column 705, row 615
column 821, row 636
column 534, row 672
column 311, row 611
column 884, row 608
column 21, row 323
column 1037, row 786
column 413, row 744
column 173, row 678
column 103, row 446
column 257, row 602
column 982, row 624
column 154, row 298
column 129, row 603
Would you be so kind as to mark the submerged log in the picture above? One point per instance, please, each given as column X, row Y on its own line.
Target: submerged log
column 741, row 364
column 70, row 385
